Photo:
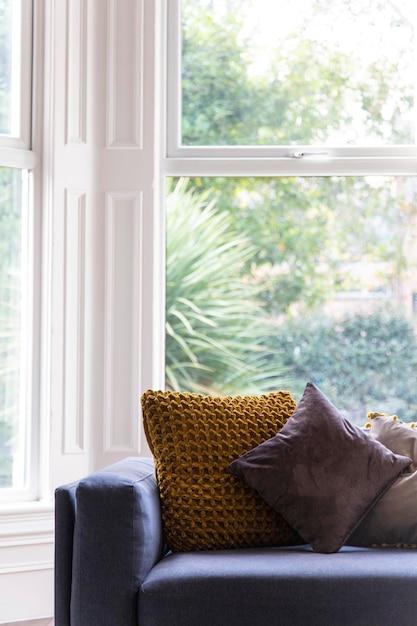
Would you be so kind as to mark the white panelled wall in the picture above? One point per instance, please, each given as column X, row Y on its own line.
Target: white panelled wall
column 100, row 318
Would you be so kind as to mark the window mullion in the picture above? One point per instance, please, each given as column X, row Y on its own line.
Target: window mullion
column 14, row 157
column 289, row 166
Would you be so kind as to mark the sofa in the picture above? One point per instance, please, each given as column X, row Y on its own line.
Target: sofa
column 119, row 560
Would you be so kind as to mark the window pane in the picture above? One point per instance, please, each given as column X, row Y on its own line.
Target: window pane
column 334, row 72
column 14, row 352
column 272, row 282
column 10, row 66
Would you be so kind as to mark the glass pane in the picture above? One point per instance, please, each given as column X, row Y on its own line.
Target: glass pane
column 13, row 349
column 10, row 66
column 275, row 282
column 335, row 72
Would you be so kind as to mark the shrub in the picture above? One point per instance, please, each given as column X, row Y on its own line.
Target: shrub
column 362, row 362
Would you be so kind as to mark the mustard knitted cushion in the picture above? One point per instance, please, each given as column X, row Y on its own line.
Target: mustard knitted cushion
column 193, row 439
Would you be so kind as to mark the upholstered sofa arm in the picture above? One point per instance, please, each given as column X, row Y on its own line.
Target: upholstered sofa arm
column 108, row 537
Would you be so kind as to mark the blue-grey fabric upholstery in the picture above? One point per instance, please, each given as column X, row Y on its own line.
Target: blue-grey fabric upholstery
column 112, row 569
column 117, row 540
column 64, row 539
column 282, row 587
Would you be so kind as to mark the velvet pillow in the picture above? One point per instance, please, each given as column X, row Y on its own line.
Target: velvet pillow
column 393, row 519
column 193, row 437
column 321, row 472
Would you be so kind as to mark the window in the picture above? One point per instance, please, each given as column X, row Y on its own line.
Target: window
column 17, row 259
column 323, row 76
column 15, row 78
column 291, row 203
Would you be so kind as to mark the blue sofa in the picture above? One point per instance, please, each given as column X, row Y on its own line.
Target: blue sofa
column 113, row 569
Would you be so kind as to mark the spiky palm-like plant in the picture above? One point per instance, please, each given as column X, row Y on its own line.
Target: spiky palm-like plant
column 215, row 323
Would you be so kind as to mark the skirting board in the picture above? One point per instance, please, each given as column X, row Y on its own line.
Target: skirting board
column 26, row 596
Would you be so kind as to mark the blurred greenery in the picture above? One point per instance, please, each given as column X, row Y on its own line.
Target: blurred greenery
column 10, row 316
column 5, row 65
column 215, row 326
column 221, row 339
column 307, row 89
column 291, row 223
column 10, row 263
column 363, row 362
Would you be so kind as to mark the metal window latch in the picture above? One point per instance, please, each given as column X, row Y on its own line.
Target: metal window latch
column 299, row 155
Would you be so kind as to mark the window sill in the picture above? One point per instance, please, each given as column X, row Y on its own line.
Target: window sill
column 26, row 523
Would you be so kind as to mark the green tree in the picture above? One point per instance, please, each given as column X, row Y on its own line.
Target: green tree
column 215, row 326
column 224, row 104
column 306, row 91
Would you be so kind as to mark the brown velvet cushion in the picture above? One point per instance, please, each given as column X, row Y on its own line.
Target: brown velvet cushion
column 321, row 472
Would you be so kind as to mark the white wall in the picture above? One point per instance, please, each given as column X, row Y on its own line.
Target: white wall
column 101, row 322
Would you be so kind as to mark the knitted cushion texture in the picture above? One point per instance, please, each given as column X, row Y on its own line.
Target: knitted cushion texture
column 193, row 438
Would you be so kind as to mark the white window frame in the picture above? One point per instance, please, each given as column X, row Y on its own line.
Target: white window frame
column 263, row 160
column 21, row 150
column 20, row 136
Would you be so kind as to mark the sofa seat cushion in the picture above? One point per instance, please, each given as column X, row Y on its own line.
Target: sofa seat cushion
column 285, row 586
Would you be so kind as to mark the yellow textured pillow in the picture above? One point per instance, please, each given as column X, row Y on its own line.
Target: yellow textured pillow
column 193, row 439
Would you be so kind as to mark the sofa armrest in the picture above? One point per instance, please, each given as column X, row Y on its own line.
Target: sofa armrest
column 64, row 539
column 117, row 540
